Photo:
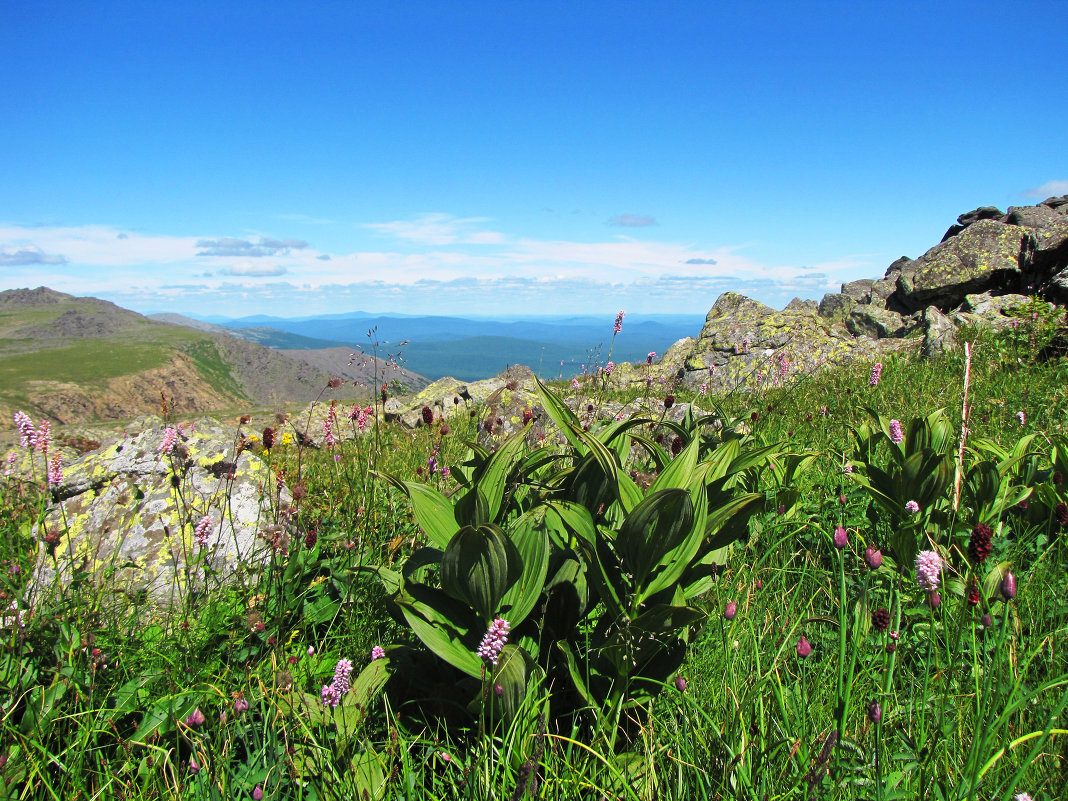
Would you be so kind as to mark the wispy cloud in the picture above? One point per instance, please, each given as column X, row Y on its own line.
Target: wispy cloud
column 464, row 268
column 1048, row 189
column 438, row 229
column 253, row 269
column 10, row 257
column 632, row 221
column 243, row 248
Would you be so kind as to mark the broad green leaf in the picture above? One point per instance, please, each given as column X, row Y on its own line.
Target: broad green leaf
column 433, row 511
column 560, row 414
column 655, row 526
column 530, row 535
column 718, row 518
column 675, row 561
column 510, row 674
column 567, row 519
column 678, row 474
column 437, row 631
column 493, row 475
column 479, row 566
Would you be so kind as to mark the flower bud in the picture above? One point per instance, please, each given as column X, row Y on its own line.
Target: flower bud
column 731, row 610
column 875, row 712
column 804, row 648
column 874, row 557
column 934, row 600
column 1008, row 586
column 680, row 684
column 841, row 539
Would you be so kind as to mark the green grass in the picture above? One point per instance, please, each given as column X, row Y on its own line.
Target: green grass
column 958, row 700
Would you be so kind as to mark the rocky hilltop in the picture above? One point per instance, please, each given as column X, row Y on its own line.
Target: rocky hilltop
column 987, row 265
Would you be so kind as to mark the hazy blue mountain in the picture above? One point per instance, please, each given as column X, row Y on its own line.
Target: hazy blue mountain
column 470, row 348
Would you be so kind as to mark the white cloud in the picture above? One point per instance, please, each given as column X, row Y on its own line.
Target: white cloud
column 438, row 229
column 498, row 270
column 229, row 246
column 11, row 257
column 253, row 269
column 1048, row 189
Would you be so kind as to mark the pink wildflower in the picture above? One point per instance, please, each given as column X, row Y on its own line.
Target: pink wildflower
column 333, row 693
column 378, row 652
column 649, row 358
column 200, row 533
column 574, row 383
column 9, row 469
column 44, row 437
column 608, row 368
column 1021, row 417
column 494, row 640
column 897, row 436
column 328, row 430
column 704, row 389
column 876, row 374
column 27, row 433
column 912, row 507
column 841, row 539
column 619, row 323
column 55, row 470
column 928, row 570
column 170, row 439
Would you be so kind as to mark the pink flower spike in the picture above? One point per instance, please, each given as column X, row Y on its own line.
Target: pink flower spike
column 897, row 436
column 619, row 322
column 494, row 641
column 876, row 374
column 55, row 470
column 378, row 652
column 170, row 439
column 928, row 570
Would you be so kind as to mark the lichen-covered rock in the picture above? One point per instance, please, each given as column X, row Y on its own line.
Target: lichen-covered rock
column 939, row 332
column 836, row 306
column 797, row 304
column 984, row 256
column 129, row 514
column 745, row 344
column 859, row 290
column 448, row 396
column 989, row 304
column 878, row 323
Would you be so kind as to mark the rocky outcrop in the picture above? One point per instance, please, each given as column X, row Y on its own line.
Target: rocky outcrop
column 987, row 265
column 126, row 517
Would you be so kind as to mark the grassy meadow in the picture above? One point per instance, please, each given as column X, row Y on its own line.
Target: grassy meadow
column 723, row 607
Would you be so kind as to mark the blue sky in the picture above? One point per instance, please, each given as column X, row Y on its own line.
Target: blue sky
column 509, row 157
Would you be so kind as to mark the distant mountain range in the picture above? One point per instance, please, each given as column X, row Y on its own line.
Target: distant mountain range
column 463, row 347
column 71, row 359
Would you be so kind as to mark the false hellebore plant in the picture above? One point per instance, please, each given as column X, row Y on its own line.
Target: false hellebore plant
column 553, row 584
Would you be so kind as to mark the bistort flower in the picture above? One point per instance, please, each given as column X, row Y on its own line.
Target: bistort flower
column 928, row 570
column 494, row 640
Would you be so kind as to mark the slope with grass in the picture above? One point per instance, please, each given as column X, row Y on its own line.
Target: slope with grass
column 78, row 359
